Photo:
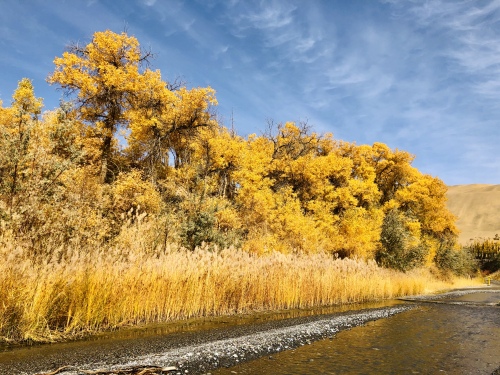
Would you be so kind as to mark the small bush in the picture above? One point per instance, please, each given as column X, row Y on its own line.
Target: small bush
column 198, row 228
column 399, row 249
column 491, row 264
column 201, row 227
column 460, row 262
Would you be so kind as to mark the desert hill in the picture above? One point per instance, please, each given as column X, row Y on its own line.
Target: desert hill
column 477, row 208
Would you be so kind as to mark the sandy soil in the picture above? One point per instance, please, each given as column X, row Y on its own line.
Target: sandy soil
column 478, row 210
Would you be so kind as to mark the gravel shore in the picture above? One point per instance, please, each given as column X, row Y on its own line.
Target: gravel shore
column 203, row 357
column 449, row 295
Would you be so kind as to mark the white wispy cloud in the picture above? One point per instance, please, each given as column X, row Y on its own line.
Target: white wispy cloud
column 267, row 15
column 280, row 26
column 471, row 30
column 418, row 75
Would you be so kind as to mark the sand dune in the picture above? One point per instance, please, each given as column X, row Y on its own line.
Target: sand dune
column 477, row 208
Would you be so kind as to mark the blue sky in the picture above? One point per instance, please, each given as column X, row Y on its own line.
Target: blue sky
column 422, row 76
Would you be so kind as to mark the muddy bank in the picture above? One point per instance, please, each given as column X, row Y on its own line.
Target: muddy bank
column 199, row 352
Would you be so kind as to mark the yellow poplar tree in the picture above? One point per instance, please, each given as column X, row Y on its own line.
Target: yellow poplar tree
column 426, row 200
column 167, row 124
column 16, row 127
column 106, row 77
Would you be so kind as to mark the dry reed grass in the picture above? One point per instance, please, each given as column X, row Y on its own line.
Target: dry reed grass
column 78, row 292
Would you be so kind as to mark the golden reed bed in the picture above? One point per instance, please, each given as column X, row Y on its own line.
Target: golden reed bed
column 83, row 292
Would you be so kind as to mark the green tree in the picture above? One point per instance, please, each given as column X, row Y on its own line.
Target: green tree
column 399, row 247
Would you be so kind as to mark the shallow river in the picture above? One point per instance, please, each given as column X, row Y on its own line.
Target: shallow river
column 432, row 339
column 454, row 334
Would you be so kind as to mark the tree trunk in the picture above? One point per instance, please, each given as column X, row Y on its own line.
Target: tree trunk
column 106, row 153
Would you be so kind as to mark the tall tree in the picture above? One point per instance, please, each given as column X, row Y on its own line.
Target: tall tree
column 107, row 77
column 16, row 125
column 167, row 122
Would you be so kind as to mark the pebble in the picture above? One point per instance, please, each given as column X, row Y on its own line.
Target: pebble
column 228, row 352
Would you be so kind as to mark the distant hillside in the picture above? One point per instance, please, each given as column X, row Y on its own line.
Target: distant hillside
column 477, row 208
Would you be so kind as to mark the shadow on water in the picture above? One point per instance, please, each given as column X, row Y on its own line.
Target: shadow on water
column 432, row 339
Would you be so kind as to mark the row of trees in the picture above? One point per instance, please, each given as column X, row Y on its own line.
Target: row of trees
column 65, row 177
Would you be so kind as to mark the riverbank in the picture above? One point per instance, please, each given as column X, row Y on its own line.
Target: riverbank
column 200, row 349
column 459, row 335
column 194, row 352
column 80, row 293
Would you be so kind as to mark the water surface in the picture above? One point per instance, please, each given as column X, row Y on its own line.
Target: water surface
column 120, row 346
column 449, row 337
column 432, row 339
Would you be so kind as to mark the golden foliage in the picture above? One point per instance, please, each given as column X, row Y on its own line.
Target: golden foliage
column 108, row 82
column 295, row 189
column 132, row 194
column 182, row 178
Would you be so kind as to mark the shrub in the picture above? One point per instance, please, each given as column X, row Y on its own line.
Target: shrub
column 487, row 251
column 197, row 229
column 460, row 262
column 399, row 249
column 491, row 264
column 201, row 227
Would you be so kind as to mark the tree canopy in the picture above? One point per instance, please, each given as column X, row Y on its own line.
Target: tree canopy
column 288, row 189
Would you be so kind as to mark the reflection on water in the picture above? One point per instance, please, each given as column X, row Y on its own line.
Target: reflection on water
column 127, row 343
column 433, row 339
column 491, row 297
